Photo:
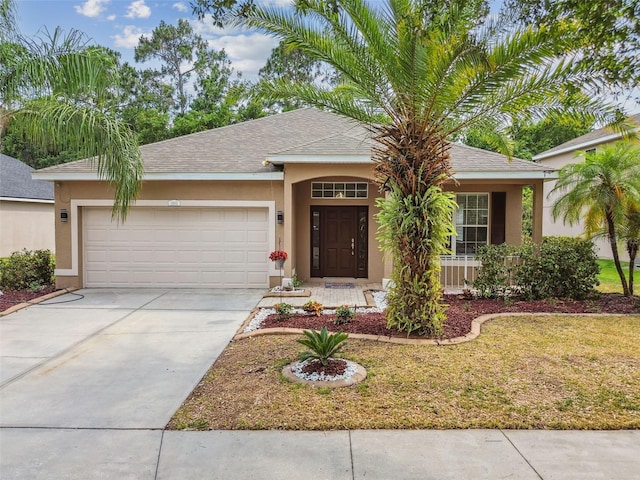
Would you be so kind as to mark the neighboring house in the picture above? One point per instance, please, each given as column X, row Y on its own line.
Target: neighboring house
column 558, row 157
column 214, row 204
column 26, row 209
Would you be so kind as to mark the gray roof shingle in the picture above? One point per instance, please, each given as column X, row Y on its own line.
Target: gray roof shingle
column 238, row 148
column 241, row 148
column 16, row 181
column 593, row 136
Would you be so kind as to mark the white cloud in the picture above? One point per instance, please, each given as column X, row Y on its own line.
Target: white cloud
column 129, row 37
column 206, row 28
column 138, row 9
column 180, row 6
column 91, row 8
column 111, row 18
column 248, row 52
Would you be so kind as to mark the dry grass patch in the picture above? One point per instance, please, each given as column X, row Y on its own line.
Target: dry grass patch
column 556, row 372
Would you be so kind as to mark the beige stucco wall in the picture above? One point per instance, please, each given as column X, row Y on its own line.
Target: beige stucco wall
column 301, row 179
column 293, row 196
column 551, row 227
column 27, row 225
column 157, row 190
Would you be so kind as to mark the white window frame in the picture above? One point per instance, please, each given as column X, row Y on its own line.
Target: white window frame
column 476, row 225
column 332, row 192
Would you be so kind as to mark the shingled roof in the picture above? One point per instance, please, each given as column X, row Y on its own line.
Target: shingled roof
column 16, row 182
column 238, row 148
column 241, row 148
column 587, row 140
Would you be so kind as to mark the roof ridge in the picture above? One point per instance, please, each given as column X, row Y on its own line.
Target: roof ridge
column 318, row 140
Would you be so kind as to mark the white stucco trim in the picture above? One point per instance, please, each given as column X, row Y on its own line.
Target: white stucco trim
column 25, row 200
column 583, row 145
column 53, row 177
column 78, row 203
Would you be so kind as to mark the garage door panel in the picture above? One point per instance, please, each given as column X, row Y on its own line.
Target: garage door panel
column 193, row 257
column 188, row 247
column 235, row 215
column 116, row 257
column 184, row 236
column 235, row 236
column 255, row 258
column 257, row 215
column 212, row 237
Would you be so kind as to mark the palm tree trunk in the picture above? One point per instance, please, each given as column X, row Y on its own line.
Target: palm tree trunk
column 614, row 251
column 632, row 250
column 415, row 229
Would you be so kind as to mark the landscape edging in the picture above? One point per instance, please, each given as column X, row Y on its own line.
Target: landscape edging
column 36, row 300
column 476, row 325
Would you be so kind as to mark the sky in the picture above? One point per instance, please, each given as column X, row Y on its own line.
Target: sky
column 118, row 24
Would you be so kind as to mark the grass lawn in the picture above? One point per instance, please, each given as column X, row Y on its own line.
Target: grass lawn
column 557, row 372
column 609, row 279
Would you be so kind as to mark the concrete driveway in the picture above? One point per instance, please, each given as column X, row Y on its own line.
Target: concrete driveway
column 113, row 358
column 106, row 359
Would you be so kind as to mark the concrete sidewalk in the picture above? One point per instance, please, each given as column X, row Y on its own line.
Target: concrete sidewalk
column 230, row 455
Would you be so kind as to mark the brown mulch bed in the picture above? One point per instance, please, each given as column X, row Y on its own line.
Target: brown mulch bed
column 460, row 313
column 13, row 297
column 334, row 367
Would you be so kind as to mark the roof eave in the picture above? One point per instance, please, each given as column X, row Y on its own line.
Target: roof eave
column 506, row 175
column 92, row 176
column 583, row 145
column 25, row 200
column 325, row 159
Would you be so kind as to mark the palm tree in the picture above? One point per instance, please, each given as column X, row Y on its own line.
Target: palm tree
column 597, row 190
column 55, row 89
column 420, row 73
column 630, row 233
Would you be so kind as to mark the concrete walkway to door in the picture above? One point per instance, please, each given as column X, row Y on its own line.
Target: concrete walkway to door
column 330, row 292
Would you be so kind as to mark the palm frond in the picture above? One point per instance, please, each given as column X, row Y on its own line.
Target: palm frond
column 100, row 137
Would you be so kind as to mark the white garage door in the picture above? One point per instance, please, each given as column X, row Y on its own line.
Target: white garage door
column 177, row 247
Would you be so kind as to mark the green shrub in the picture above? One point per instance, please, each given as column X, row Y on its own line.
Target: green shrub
column 283, row 310
column 344, row 314
column 27, row 270
column 497, row 269
column 561, row 267
column 295, row 283
column 321, row 345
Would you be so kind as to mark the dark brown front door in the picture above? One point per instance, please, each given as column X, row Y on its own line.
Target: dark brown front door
column 341, row 241
column 340, row 227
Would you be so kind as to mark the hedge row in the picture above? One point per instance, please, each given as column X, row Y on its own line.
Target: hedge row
column 560, row 267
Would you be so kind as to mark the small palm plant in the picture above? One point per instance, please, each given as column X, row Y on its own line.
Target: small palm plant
column 322, row 345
